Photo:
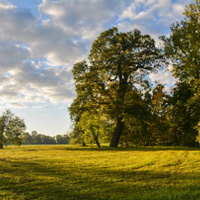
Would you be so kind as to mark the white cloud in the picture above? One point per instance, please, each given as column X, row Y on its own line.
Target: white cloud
column 152, row 17
column 11, row 56
column 84, row 19
column 26, row 82
column 4, row 5
column 48, row 84
column 178, row 9
column 37, row 51
column 163, row 77
column 49, row 40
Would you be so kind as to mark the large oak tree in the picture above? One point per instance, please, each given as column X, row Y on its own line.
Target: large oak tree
column 106, row 81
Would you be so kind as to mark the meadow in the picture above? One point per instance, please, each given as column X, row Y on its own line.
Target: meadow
column 59, row 172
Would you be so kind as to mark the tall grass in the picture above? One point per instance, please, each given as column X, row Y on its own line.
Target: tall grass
column 69, row 172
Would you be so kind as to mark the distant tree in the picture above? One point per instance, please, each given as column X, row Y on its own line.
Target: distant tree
column 47, row 139
column 183, row 50
column 38, row 138
column 41, row 139
column 11, row 129
column 27, row 138
column 62, row 139
column 34, row 137
column 117, row 61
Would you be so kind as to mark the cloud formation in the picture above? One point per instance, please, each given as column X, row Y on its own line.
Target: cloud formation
column 152, row 17
column 38, row 49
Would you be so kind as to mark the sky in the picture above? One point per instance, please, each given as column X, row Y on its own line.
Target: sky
column 40, row 40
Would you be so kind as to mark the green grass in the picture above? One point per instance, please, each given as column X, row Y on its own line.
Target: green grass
column 69, row 172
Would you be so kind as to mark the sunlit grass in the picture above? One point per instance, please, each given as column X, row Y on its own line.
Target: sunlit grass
column 71, row 172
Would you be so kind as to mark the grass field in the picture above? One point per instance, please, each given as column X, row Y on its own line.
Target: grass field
column 70, row 172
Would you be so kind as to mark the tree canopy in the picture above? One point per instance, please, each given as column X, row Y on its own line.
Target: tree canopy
column 11, row 129
column 107, row 83
column 182, row 47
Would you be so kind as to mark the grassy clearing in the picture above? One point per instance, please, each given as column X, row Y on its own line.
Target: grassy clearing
column 69, row 172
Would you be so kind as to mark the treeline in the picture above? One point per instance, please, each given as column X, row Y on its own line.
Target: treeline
column 117, row 103
column 38, row 138
column 13, row 131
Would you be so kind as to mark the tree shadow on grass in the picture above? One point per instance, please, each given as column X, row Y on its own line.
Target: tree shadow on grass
column 33, row 180
column 26, row 180
column 142, row 148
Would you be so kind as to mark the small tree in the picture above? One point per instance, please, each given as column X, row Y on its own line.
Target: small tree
column 95, row 126
column 11, row 129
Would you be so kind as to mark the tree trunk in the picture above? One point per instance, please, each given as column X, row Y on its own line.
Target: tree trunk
column 118, row 132
column 1, row 141
column 97, row 141
column 83, row 143
column 96, row 137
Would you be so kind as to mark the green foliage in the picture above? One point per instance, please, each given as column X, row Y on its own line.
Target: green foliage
column 57, row 172
column 183, row 115
column 62, row 139
column 95, row 127
column 38, row 138
column 117, row 62
column 183, row 48
column 11, row 129
column 148, row 124
column 76, row 135
column 92, row 127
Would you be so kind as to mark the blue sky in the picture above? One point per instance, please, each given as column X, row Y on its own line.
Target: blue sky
column 40, row 40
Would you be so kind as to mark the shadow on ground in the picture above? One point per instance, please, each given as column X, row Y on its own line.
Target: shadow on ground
column 42, row 180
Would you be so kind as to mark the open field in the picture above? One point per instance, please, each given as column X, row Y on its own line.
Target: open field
column 70, row 172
